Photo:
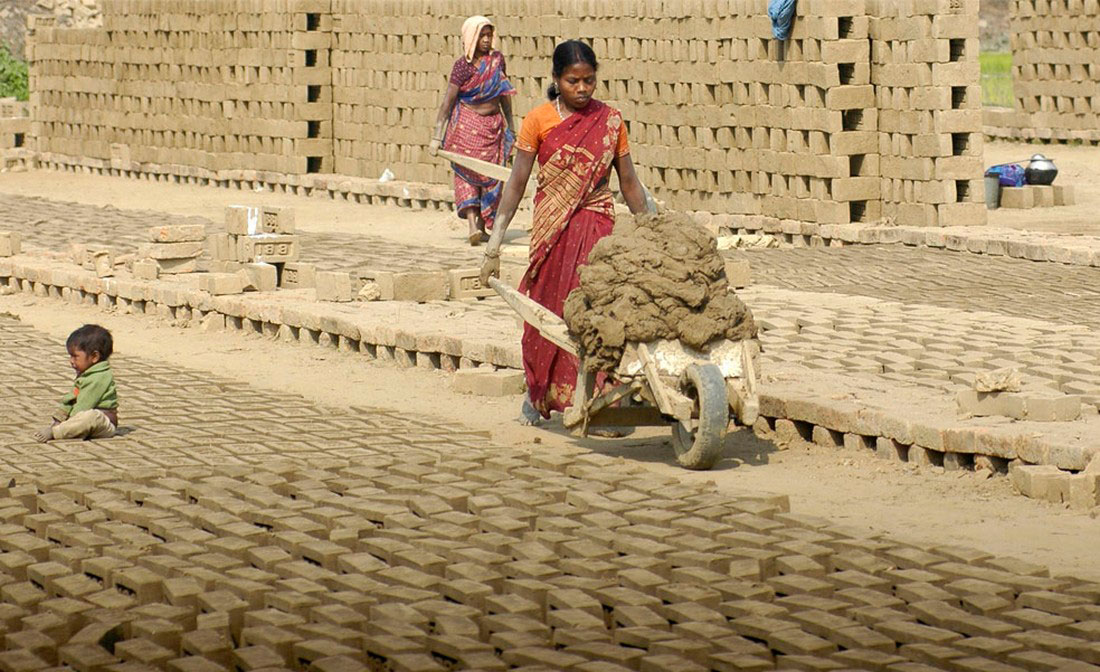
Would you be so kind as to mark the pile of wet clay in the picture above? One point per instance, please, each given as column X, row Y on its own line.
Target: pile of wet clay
column 655, row 277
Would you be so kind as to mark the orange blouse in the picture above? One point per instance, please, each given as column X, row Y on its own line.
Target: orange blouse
column 540, row 121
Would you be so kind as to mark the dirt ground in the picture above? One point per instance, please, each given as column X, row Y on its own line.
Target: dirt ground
column 1077, row 166
column 853, row 489
column 856, row 490
column 311, row 214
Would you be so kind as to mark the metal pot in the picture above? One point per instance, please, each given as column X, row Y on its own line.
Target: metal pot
column 1040, row 170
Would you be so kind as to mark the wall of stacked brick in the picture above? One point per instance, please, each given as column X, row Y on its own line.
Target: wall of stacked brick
column 209, row 84
column 870, row 111
column 1055, row 73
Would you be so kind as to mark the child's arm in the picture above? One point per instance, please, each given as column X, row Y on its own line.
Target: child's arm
column 65, row 407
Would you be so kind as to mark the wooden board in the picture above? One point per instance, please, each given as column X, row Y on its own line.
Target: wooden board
column 548, row 324
column 669, row 401
column 495, row 171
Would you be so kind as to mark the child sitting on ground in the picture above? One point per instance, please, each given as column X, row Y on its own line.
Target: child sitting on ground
column 90, row 411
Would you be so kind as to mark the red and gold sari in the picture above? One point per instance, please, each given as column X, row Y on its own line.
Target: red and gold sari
column 573, row 209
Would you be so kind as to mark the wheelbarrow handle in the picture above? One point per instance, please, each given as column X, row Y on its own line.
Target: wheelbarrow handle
column 548, row 324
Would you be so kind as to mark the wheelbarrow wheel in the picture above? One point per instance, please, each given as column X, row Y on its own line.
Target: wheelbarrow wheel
column 700, row 449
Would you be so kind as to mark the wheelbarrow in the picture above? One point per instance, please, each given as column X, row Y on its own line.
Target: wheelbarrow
column 662, row 383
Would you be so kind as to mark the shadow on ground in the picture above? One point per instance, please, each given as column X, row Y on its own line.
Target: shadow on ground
column 654, row 445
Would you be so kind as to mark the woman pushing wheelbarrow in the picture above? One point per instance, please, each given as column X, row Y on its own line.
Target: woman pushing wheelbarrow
column 577, row 141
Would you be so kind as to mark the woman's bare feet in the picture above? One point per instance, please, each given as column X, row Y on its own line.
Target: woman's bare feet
column 477, row 228
column 528, row 416
column 43, row 435
column 474, row 222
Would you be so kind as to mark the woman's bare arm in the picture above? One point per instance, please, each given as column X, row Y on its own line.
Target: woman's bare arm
column 506, row 110
column 509, row 201
column 630, row 185
column 449, row 99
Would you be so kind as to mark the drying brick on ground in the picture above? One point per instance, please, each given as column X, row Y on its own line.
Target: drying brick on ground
column 655, row 277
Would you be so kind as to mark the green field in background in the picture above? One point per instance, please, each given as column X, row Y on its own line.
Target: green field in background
column 996, row 62
column 996, row 78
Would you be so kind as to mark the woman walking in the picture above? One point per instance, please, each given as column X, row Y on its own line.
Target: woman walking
column 477, row 113
column 577, row 141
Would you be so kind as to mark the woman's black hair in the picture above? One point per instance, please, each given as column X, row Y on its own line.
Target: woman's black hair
column 566, row 54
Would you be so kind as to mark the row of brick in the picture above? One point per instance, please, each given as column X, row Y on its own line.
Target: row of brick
column 485, row 560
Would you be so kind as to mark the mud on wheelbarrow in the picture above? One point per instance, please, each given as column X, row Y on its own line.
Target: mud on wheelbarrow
column 658, row 384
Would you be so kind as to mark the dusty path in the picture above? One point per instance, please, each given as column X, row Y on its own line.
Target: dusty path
column 926, row 508
column 1077, row 165
column 320, row 215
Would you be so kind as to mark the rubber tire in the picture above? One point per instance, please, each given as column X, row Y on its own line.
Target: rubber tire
column 702, row 448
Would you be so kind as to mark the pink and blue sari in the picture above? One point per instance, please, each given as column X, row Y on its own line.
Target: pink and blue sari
column 485, row 137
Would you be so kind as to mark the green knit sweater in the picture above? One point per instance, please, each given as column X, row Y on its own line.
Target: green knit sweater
column 95, row 388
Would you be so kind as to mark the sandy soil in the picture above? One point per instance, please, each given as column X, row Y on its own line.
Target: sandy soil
column 923, row 507
column 320, row 214
column 1077, row 166
column 853, row 489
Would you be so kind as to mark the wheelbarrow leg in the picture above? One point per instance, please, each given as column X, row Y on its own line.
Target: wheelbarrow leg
column 741, row 391
column 576, row 416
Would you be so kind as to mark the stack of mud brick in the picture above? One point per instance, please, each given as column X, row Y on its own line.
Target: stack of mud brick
column 722, row 117
column 419, row 286
column 387, row 81
column 99, row 260
column 1037, row 196
column 251, row 254
column 727, row 119
column 926, row 73
column 11, row 243
column 260, row 234
column 210, row 85
column 171, row 250
column 1056, row 68
column 15, row 124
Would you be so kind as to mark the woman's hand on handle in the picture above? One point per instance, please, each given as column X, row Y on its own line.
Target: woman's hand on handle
column 509, row 201
column 490, row 268
column 630, row 185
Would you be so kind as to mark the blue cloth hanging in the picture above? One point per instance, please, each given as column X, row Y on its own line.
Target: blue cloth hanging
column 781, row 12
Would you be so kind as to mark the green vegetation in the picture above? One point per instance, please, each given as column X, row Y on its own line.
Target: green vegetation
column 996, row 78
column 996, row 62
column 13, row 75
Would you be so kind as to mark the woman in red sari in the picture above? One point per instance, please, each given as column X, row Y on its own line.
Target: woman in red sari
column 477, row 112
column 577, row 141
